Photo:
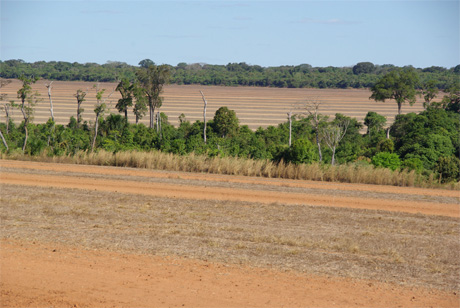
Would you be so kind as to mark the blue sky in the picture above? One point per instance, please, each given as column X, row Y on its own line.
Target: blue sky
column 266, row 33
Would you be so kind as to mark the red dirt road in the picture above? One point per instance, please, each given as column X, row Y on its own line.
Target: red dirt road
column 36, row 274
column 45, row 275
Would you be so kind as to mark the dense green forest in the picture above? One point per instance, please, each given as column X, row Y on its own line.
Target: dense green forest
column 361, row 75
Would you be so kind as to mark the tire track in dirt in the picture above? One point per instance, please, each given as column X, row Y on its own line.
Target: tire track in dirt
column 181, row 191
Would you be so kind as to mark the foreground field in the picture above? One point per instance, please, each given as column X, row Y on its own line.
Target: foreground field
column 101, row 236
column 255, row 107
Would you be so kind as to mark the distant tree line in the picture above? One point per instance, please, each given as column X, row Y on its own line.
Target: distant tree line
column 361, row 75
column 427, row 143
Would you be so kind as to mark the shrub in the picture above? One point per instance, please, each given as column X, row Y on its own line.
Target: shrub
column 413, row 163
column 448, row 168
column 386, row 160
column 302, row 151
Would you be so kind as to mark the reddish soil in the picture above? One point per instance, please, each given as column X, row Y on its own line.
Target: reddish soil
column 223, row 193
column 45, row 275
column 37, row 274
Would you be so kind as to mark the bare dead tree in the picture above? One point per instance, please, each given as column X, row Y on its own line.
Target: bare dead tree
column 6, row 108
column 204, row 115
column 289, row 114
column 311, row 107
column 4, row 141
column 3, row 138
column 158, row 123
column 49, row 87
column 332, row 134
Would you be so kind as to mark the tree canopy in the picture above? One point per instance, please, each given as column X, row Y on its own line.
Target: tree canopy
column 361, row 75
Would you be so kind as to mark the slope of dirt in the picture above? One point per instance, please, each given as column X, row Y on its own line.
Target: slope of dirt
column 91, row 236
column 37, row 275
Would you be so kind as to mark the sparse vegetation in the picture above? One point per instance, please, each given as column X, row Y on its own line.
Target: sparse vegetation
column 411, row 249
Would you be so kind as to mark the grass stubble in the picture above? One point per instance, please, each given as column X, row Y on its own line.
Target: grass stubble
column 408, row 249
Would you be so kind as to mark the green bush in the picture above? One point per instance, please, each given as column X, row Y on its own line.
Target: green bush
column 302, row 151
column 413, row 163
column 386, row 160
column 448, row 168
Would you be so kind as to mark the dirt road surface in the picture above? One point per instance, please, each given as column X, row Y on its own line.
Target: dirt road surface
column 40, row 271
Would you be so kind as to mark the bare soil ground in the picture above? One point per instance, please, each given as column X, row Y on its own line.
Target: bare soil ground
column 116, row 237
column 254, row 106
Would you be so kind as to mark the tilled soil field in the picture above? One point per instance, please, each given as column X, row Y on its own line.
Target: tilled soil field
column 92, row 236
column 254, row 106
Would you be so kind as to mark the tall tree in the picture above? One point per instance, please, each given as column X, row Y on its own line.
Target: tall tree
column 332, row 134
column 49, row 87
column 225, row 122
column 312, row 108
column 126, row 89
column 28, row 100
column 374, row 122
column 398, row 84
column 152, row 80
column 80, row 96
column 140, row 106
column 204, row 116
column 430, row 90
column 99, row 110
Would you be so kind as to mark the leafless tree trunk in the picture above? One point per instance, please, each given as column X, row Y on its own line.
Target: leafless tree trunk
column 204, row 116
column 388, row 132
column 290, row 127
column 157, row 121
column 332, row 134
column 51, row 101
column 26, row 121
column 96, row 126
column 312, row 108
column 159, row 124
column 6, row 107
column 4, row 141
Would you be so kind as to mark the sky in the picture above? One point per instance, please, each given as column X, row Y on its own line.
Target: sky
column 267, row 33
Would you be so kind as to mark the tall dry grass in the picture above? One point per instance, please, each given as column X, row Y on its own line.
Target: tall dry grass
column 349, row 173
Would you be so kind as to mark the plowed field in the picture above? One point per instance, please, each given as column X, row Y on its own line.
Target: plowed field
column 87, row 236
column 254, row 106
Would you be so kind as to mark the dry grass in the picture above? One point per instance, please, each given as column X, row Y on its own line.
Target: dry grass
column 348, row 173
column 409, row 249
